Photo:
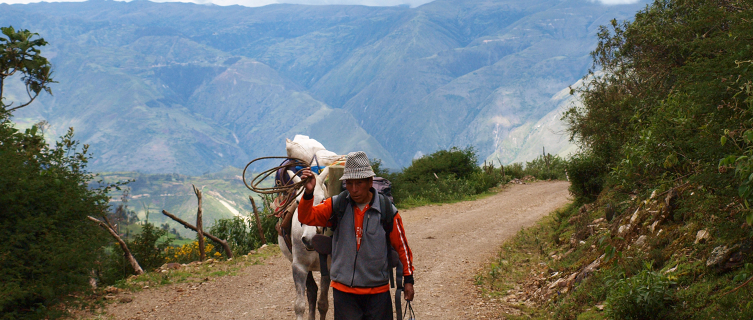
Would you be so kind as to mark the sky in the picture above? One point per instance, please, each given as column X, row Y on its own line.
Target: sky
column 258, row 3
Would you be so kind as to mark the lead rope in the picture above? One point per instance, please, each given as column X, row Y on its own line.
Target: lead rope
column 290, row 191
column 411, row 314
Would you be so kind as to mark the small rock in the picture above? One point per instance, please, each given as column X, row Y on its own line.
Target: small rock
column 126, row 299
column 556, row 283
column 571, row 279
column 600, row 307
column 164, row 271
column 641, row 241
column 702, row 236
column 636, row 216
column 111, row 290
column 171, row 265
column 718, row 255
column 210, row 260
column 588, row 270
column 623, row 229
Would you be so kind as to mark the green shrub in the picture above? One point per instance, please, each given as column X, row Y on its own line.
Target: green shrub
column 514, row 171
column 647, row 295
column 460, row 163
column 587, row 174
column 48, row 244
column 242, row 234
column 146, row 247
column 546, row 168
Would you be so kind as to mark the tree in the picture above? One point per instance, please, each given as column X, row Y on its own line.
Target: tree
column 20, row 54
column 49, row 248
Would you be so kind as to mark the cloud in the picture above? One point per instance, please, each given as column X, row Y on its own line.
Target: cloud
column 259, row 3
column 616, row 2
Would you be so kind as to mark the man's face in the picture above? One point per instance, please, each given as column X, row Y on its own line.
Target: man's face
column 359, row 189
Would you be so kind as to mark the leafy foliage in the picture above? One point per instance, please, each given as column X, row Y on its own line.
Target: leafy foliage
column 146, row 247
column 19, row 53
column 586, row 173
column 189, row 252
column 646, row 295
column 242, row 234
column 546, row 167
column 666, row 91
column 444, row 176
column 47, row 240
column 456, row 162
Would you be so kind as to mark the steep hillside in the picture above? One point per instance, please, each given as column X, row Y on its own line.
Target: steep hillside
column 175, row 87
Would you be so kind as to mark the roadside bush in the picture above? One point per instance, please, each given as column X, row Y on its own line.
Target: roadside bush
column 546, row 168
column 587, row 174
column 514, row 170
column 647, row 295
column 189, row 252
column 47, row 242
column 457, row 177
column 146, row 247
column 457, row 162
column 242, row 234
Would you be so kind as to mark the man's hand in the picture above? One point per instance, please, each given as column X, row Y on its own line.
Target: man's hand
column 311, row 184
column 408, row 290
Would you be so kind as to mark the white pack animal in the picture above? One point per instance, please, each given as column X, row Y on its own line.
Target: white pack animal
column 304, row 259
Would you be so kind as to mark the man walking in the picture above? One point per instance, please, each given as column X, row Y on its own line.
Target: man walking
column 360, row 268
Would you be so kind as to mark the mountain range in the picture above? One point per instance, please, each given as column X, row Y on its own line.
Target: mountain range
column 190, row 89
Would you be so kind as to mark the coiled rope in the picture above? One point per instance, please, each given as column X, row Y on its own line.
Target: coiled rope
column 289, row 191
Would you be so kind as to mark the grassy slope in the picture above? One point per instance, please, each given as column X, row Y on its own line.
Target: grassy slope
column 541, row 272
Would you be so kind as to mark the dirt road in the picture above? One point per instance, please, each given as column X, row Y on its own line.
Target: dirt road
column 450, row 244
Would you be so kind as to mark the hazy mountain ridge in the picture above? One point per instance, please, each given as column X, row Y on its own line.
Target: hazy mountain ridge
column 174, row 87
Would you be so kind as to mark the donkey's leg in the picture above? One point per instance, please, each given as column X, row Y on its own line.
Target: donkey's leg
column 311, row 294
column 299, row 277
column 323, row 303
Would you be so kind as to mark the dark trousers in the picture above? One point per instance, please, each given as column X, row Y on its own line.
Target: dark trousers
column 349, row 306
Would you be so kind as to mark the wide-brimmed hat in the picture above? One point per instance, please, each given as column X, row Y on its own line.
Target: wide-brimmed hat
column 357, row 166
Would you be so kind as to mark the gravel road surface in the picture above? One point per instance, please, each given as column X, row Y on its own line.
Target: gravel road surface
column 450, row 244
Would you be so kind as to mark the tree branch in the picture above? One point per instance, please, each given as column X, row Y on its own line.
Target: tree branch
column 189, row 226
column 126, row 252
column 199, row 225
column 25, row 104
column 258, row 221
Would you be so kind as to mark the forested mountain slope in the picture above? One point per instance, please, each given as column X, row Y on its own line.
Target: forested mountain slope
column 174, row 87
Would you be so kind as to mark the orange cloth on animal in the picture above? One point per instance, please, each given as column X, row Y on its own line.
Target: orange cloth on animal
column 319, row 216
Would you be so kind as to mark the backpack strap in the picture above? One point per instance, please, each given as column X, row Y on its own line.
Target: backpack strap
column 339, row 204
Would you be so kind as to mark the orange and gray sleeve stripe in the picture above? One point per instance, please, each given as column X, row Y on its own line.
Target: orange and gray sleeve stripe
column 400, row 242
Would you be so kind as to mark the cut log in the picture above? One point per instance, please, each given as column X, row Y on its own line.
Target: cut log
column 126, row 252
column 199, row 226
column 189, row 226
column 258, row 221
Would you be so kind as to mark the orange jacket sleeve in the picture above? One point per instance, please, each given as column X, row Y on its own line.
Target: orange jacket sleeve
column 400, row 244
column 312, row 215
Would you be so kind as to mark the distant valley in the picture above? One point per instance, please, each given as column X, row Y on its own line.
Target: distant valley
column 191, row 89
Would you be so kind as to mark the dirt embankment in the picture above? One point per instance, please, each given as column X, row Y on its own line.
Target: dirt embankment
column 450, row 244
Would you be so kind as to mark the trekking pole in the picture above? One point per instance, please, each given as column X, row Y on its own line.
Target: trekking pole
column 398, row 289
